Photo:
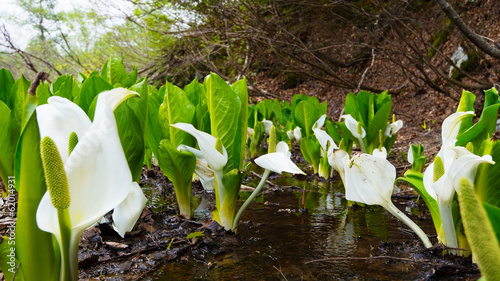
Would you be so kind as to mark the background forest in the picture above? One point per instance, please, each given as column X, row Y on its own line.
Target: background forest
column 353, row 45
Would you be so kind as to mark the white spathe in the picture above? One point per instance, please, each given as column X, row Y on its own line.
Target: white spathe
column 368, row 179
column 352, row 125
column 206, row 142
column 267, row 126
column 393, row 128
column 279, row 161
column 356, row 130
column 99, row 177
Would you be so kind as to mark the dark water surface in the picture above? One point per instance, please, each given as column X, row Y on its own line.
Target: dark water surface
column 278, row 242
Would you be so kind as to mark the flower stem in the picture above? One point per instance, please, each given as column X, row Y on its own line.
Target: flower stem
column 448, row 225
column 251, row 197
column 67, row 272
column 411, row 224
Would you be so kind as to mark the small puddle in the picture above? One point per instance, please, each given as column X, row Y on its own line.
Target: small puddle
column 278, row 242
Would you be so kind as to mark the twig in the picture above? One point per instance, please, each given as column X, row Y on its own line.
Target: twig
column 39, row 77
column 260, row 176
column 366, row 70
column 283, row 275
column 366, row 258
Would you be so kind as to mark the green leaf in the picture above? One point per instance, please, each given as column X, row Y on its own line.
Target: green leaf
column 91, row 87
column 131, row 137
column 224, row 107
column 366, row 108
column 494, row 218
column 416, row 180
column 34, row 247
column 194, row 91
column 311, row 151
column 154, row 131
column 179, row 167
column 194, row 234
column 176, row 108
column 486, row 125
column 6, row 83
column 66, row 87
column 466, row 104
column 114, row 72
column 43, row 93
column 377, row 123
column 488, row 178
column 240, row 88
column 7, row 143
column 16, row 100
column 351, row 106
column 306, row 113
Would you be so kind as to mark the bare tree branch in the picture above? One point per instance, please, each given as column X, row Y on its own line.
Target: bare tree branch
column 475, row 38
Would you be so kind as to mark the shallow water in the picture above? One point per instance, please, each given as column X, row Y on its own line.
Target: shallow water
column 278, row 242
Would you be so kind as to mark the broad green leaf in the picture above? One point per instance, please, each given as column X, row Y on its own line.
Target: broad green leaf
column 377, row 123
column 90, row 89
column 140, row 105
column 296, row 99
column 494, row 217
column 224, row 107
column 154, row 132
column 131, row 78
column 311, row 151
column 332, row 131
column 194, row 91
column 366, row 108
column 240, row 88
column 7, row 143
column 351, row 106
column 6, row 83
column 306, row 113
column 43, row 93
column 488, row 178
column 466, row 104
column 131, row 137
column 66, row 87
column 34, row 248
column 486, row 125
column 114, row 72
column 16, row 99
column 381, row 99
column 195, row 94
column 416, row 180
column 176, row 108
column 179, row 167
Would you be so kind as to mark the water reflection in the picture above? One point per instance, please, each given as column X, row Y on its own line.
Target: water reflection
column 277, row 240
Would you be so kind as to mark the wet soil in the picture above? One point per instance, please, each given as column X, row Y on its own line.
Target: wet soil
column 299, row 228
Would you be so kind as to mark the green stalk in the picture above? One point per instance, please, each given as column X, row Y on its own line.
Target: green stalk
column 251, row 198
column 411, row 224
column 324, row 167
column 66, row 254
column 183, row 195
column 448, row 225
